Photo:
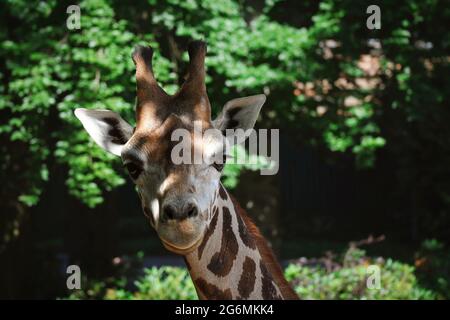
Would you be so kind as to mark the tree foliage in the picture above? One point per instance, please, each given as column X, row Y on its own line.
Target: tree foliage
column 337, row 85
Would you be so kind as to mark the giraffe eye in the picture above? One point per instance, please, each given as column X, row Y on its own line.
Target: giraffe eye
column 133, row 170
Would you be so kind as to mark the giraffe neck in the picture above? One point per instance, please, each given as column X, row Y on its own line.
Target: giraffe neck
column 234, row 261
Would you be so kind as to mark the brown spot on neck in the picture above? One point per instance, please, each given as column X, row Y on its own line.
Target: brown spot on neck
column 210, row 291
column 222, row 261
column 247, row 280
column 269, row 291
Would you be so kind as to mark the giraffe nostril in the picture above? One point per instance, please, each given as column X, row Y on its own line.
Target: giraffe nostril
column 169, row 212
column 192, row 211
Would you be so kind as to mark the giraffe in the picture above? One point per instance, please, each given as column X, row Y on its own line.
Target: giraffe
column 191, row 211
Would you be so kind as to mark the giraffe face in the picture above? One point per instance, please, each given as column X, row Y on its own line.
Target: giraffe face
column 177, row 197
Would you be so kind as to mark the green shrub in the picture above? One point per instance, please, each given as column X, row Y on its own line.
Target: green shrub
column 104, row 289
column 433, row 267
column 322, row 278
column 327, row 279
column 165, row 283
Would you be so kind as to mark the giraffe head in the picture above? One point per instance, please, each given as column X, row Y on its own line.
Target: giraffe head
column 177, row 197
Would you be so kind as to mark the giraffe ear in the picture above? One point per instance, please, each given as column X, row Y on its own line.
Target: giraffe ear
column 106, row 128
column 240, row 113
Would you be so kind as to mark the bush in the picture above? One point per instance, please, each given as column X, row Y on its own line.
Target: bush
column 165, row 283
column 433, row 267
column 322, row 278
column 326, row 279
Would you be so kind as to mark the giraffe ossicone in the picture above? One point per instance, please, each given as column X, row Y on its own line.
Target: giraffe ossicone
column 186, row 204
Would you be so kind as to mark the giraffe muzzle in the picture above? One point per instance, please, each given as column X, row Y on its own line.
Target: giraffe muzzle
column 180, row 224
column 179, row 212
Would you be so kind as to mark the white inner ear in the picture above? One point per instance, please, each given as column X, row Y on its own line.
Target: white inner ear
column 240, row 114
column 106, row 128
